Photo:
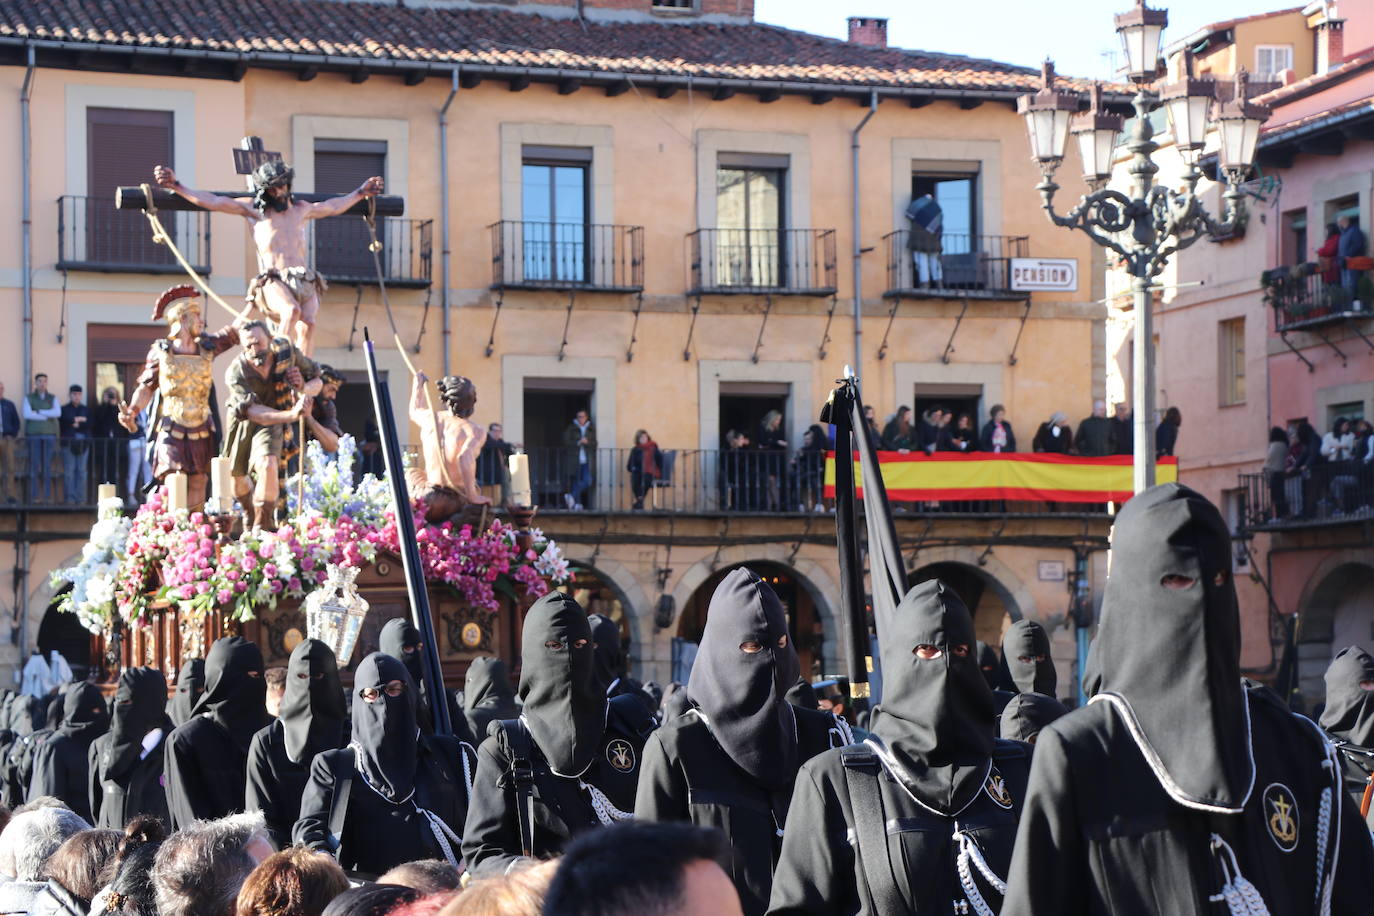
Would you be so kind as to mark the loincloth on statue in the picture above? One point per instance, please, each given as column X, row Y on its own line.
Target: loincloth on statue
column 246, row 444
column 440, row 502
column 301, row 282
column 184, row 449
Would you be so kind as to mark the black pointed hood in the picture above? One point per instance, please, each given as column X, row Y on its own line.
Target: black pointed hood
column 1349, row 713
column 743, row 695
column 487, row 695
column 235, row 691
column 26, row 715
column 610, row 657
column 1027, row 639
column 990, row 664
column 190, row 688
column 312, row 708
column 85, row 716
column 1167, row 652
column 386, row 731
column 936, row 718
column 675, row 702
column 1027, row 713
column 803, row 695
column 140, row 705
column 54, row 715
column 564, row 708
column 398, row 636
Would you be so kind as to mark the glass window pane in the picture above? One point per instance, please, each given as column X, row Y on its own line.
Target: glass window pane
column 536, row 201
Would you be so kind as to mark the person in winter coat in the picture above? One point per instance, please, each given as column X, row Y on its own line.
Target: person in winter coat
column 997, row 435
column 1166, row 436
column 61, row 767
column 1054, row 436
column 645, row 466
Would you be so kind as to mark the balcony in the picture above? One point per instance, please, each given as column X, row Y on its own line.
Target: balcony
column 1306, row 297
column 339, row 250
column 566, row 256
column 795, row 262
column 971, row 267
column 1335, row 493
column 93, row 235
column 62, row 474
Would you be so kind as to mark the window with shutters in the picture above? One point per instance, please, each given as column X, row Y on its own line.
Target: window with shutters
column 1271, row 60
column 123, row 146
column 1231, row 361
column 115, row 355
column 341, row 251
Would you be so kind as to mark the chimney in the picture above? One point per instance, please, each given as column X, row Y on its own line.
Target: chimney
column 1330, row 44
column 868, row 31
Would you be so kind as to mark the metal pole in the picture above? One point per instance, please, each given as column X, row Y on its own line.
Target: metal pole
column 1144, row 246
column 21, row 573
column 444, row 217
column 858, row 244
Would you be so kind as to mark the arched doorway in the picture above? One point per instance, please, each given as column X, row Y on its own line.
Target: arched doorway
column 599, row 595
column 989, row 602
column 63, row 632
column 803, row 618
column 1338, row 613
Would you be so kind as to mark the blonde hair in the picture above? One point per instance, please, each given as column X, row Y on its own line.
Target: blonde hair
column 520, row 893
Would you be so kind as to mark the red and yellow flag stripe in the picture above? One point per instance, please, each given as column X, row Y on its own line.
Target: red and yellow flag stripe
column 1036, row 477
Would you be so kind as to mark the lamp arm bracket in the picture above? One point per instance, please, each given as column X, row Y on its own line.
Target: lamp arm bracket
column 1099, row 215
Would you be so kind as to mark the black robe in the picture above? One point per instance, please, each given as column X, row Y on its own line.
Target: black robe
column 487, row 696
column 275, row 785
column 140, row 791
column 125, row 776
column 1100, row 835
column 61, row 765
column 685, row 776
column 19, row 761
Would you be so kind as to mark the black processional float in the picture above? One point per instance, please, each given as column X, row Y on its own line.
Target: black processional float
column 887, row 572
column 410, row 553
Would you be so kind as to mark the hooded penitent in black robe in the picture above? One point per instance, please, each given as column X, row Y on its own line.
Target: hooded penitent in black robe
column 26, row 717
column 730, row 763
column 989, row 664
column 126, row 763
column 676, row 702
column 947, row 794
column 610, row 667
column 1349, row 719
column 402, row 641
column 190, row 687
column 1177, row 783
column 61, row 767
column 311, row 719
column 19, row 760
column 1023, row 718
column 487, row 695
column 584, row 769
column 802, row 695
column 1026, row 651
column 396, row 795
column 207, row 757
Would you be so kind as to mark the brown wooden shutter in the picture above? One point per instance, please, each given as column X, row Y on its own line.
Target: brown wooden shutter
column 341, row 242
column 123, row 146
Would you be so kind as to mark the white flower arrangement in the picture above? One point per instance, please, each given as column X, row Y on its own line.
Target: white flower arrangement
column 93, row 578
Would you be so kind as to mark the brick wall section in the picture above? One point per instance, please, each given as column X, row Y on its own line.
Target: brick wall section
column 1330, row 45
column 868, row 31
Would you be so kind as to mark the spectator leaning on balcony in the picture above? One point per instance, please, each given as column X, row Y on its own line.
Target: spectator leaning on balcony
column 9, row 448
column 1326, row 255
column 493, row 464
column 1054, row 435
column 1339, row 444
column 579, row 441
column 772, row 442
column 924, row 239
column 1166, row 435
column 997, row 435
column 1351, row 245
column 41, row 413
column 1123, row 430
column 875, row 438
column 75, row 426
column 898, row 436
column 1364, row 442
column 963, row 435
column 1094, row 437
column 109, row 436
column 1276, row 471
column 645, row 466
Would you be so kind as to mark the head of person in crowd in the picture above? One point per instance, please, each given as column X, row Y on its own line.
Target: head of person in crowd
column 32, row 836
column 487, row 695
column 1278, row 434
column 370, row 900
column 1173, row 416
column 1059, row 418
column 1340, row 426
column 998, row 414
column 402, row 641
column 870, row 415
column 1026, row 650
column 989, row 663
column 190, row 686
column 1349, row 712
column 40, row 383
column 964, row 423
column 276, row 686
column 564, row 704
column 1026, row 714
column 426, row 877
column 496, row 432
column 199, row 870
column 644, row 869
column 744, row 667
column 1099, row 408
column 936, row 719
column 312, row 707
column 802, row 694
column 386, row 726
column 293, row 882
column 78, row 863
column 772, row 420
column 1122, row 410
column 903, row 419
column 129, row 891
column 75, row 394
column 832, row 698
column 675, row 701
column 140, row 703
column 1170, row 595
column 815, row 438
column 235, row 691
column 521, row 892
column 608, row 651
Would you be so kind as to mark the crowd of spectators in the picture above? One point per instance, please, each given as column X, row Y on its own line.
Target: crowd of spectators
column 1313, row 475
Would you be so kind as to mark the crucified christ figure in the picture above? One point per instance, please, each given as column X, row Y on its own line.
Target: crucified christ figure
column 287, row 288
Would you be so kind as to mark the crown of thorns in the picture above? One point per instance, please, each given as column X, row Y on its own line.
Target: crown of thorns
column 272, row 173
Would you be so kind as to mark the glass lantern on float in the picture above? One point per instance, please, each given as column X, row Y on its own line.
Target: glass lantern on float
column 334, row 612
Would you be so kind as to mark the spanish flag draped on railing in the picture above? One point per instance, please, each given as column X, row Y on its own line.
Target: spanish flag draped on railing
column 1041, row 477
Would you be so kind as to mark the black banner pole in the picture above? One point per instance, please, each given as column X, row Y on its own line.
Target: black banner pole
column 405, row 534
column 853, row 622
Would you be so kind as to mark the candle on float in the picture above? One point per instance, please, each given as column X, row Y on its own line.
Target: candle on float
column 176, row 491
column 221, row 484
column 107, row 491
column 520, row 479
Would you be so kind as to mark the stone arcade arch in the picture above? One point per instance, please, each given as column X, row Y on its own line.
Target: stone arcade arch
column 1337, row 608
column 637, row 606
column 992, row 604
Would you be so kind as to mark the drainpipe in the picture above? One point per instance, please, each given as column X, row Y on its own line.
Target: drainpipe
column 444, row 214
column 21, row 577
column 858, row 249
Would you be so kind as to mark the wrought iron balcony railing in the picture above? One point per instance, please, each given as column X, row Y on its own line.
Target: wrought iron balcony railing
column 973, row 266
column 527, row 254
column 798, row 262
column 1334, row 493
column 1311, row 295
column 339, row 250
column 93, row 235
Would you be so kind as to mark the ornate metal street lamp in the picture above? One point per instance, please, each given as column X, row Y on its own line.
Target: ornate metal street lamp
column 1152, row 223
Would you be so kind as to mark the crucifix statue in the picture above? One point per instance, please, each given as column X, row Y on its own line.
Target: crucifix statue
column 287, row 289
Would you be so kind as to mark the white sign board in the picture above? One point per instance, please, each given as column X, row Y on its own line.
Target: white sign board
column 1056, row 274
